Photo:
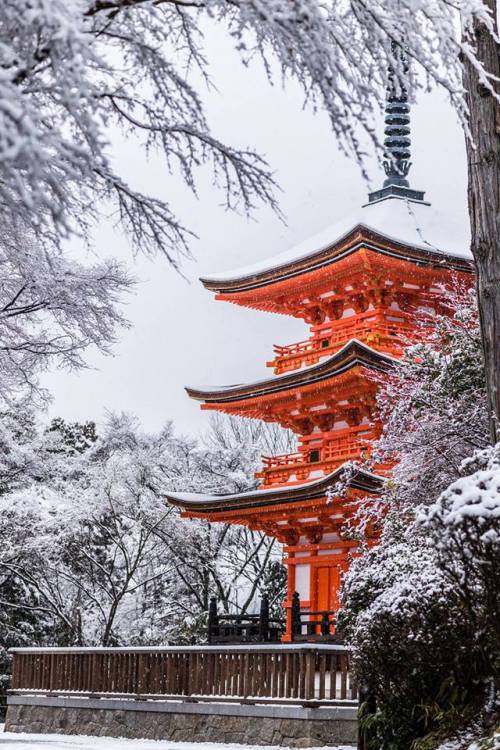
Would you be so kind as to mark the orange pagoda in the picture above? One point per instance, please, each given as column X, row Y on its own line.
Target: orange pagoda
column 363, row 286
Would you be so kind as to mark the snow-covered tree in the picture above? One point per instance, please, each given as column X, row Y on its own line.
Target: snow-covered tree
column 232, row 563
column 434, row 407
column 52, row 309
column 111, row 561
column 95, row 557
column 71, row 69
column 422, row 608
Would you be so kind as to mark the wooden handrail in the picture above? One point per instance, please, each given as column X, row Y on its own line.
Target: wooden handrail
column 300, row 672
column 233, row 648
column 384, row 327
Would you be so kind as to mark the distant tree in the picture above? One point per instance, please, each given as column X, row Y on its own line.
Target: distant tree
column 19, row 434
column 72, row 437
column 96, row 509
column 266, row 438
column 98, row 555
column 232, row 563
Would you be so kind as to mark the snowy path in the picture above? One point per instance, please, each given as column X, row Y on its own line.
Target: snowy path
column 14, row 741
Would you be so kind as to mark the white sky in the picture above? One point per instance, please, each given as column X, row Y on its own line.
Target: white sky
column 180, row 335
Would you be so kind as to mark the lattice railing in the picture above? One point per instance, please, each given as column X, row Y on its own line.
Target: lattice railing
column 386, row 331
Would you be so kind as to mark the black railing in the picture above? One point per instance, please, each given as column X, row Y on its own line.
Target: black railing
column 312, row 626
column 307, row 626
column 261, row 628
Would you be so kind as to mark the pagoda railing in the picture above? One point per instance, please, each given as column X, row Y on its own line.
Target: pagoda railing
column 261, row 674
column 286, row 459
column 351, row 443
column 384, row 330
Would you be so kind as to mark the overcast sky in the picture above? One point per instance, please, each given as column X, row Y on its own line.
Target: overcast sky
column 180, row 335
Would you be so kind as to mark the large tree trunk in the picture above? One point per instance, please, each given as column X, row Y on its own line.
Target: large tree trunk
column 483, row 156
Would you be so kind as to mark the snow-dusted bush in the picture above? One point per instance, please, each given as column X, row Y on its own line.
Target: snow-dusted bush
column 399, row 614
column 423, row 614
column 464, row 526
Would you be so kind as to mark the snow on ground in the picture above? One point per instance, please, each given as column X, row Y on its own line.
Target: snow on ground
column 15, row 741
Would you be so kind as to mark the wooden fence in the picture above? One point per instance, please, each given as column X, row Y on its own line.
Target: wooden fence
column 299, row 673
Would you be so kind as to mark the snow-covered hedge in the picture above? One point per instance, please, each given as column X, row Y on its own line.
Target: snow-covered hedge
column 423, row 614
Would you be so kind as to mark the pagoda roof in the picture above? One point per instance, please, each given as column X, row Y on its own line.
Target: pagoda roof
column 350, row 355
column 415, row 231
column 258, row 498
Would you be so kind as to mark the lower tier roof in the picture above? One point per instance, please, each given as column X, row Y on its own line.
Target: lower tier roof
column 200, row 503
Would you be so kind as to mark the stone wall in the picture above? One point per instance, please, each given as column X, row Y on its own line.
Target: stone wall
column 293, row 726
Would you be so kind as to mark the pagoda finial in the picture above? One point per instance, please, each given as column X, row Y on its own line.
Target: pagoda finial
column 397, row 137
column 397, row 127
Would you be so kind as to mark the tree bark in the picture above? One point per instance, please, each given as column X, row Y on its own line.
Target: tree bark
column 483, row 158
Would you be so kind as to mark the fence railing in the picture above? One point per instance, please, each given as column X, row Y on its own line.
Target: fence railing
column 310, row 626
column 303, row 673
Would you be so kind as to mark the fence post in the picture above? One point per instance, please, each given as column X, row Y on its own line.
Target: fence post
column 325, row 624
column 213, row 619
column 264, row 618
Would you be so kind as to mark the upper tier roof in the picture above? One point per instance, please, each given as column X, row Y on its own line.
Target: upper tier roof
column 413, row 224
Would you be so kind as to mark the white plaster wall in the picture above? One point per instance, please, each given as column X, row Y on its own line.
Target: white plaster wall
column 302, row 581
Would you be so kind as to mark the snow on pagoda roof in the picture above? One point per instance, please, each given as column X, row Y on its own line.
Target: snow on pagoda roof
column 412, row 223
column 353, row 353
column 360, row 479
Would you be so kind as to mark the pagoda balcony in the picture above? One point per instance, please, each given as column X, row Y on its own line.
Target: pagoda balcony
column 384, row 330
column 312, row 462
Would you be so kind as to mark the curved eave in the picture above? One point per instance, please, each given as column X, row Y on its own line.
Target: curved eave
column 359, row 236
column 201, row 503
column 353, row 354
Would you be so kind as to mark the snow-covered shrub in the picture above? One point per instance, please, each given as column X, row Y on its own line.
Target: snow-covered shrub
column 400, row 615
column 423, row 615
column 464, row 526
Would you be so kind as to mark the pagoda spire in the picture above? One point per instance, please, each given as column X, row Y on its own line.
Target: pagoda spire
column 397, row 140
column 397, row 132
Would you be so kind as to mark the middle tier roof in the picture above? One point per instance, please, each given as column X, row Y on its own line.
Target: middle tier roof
column 257, row 399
